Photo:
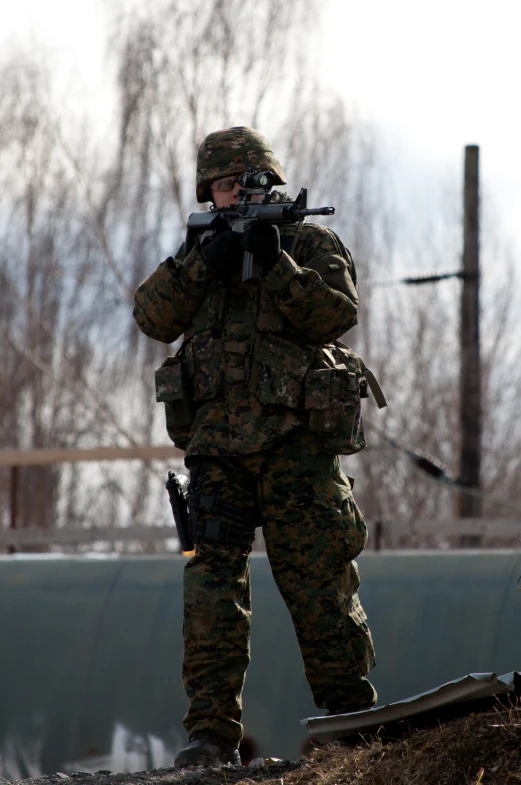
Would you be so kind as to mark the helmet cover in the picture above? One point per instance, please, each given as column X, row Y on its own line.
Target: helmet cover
column 230, row 152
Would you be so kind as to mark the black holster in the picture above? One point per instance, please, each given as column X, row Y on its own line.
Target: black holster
column 177, row 488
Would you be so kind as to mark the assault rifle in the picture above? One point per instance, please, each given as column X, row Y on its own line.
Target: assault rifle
column 254, row 204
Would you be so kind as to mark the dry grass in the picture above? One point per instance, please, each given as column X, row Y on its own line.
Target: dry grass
column 478, row 749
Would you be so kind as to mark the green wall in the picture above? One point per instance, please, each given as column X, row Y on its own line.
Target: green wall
column 91, row 651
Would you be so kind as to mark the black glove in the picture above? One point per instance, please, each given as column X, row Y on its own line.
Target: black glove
column 262, row 239
column 223, row 255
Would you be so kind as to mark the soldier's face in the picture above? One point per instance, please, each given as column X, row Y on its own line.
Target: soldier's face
column 225, row 192
column 224, row 197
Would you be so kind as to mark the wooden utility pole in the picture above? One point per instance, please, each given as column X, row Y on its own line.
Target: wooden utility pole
column 470, row 379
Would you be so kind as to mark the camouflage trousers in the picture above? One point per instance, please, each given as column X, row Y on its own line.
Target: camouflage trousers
column 313, row 531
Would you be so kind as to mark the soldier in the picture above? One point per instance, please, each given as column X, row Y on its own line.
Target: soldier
column 253, row 406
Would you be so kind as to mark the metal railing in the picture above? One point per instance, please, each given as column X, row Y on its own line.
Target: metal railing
column 383, row 535
column 443, row 533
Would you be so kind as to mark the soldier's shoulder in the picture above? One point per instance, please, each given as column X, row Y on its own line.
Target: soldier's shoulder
column 320, row 234
column 315, row 238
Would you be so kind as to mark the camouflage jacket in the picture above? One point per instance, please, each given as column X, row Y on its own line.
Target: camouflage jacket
column 257, row 360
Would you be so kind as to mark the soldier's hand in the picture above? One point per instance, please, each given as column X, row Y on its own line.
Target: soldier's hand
column 262, row 239
column 223, row 254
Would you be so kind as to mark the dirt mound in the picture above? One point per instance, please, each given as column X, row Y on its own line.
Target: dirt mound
column 482, row 748
column 476, row 749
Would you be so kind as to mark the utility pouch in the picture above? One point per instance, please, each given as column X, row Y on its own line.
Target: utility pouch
column 177, row 487
column 173, row 389
column 332, row 398
column 281, row 366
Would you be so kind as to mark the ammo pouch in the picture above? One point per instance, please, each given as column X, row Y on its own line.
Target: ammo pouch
column 279, row 370
column 187, row 379
column 322, row 385
column 173, row 389
column 333, row 388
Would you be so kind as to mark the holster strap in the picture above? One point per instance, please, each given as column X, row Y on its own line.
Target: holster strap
column 224, row 533
column 213, row 504
column 375, row 388
column 230, row 526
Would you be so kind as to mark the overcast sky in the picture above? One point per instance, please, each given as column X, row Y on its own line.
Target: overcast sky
column 432, row 76
column 436, row 77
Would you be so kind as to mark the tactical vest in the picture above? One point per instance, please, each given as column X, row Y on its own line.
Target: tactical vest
column 322, row 384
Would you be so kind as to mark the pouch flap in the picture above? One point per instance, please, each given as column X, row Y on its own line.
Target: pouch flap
column 317, row 393
column 330, row 387
column 284, row 357
column 169, row 383
column 343, row 354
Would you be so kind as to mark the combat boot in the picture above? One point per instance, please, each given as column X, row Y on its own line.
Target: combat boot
column 207, row 749
column 361, row 696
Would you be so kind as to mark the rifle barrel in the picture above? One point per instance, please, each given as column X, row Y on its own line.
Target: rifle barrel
column 318, row 211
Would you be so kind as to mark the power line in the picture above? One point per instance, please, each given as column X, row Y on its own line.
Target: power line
column 420, row 279
column 441, row 473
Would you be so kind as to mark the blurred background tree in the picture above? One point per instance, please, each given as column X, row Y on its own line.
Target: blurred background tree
column 83, row 220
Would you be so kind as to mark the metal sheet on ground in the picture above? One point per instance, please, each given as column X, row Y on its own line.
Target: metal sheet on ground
column 460, row 691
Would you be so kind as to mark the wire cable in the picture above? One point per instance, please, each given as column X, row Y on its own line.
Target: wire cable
column 441, row 473
column 420, row 279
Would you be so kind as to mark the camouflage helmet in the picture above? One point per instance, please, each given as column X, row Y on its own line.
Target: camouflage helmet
column 229, row 152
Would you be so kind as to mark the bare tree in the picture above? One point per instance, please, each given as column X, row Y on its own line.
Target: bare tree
column 81, row 231
column 83, row 221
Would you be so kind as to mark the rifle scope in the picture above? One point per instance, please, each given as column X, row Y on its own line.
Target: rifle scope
column 254, row 178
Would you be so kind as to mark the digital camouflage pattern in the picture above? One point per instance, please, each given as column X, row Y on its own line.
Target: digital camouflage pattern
column 259, row 397
column 248, row 348
column 313, row 531
column 230, row 152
